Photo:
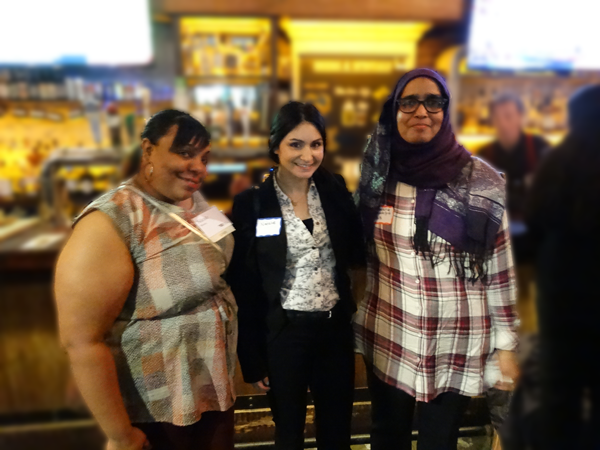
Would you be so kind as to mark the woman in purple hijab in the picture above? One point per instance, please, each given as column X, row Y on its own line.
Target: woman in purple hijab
column 440, row 283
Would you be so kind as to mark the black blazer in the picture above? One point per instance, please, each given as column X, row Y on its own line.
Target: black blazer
column 257, row 267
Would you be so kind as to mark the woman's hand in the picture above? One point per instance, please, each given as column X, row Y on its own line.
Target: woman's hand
column 135, row 440
column 507, row 362
column 263, row 385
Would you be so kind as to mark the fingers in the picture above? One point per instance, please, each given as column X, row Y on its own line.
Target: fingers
column 263, row 387
column 504, row 386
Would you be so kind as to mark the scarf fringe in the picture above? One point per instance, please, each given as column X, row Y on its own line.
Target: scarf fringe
column 468, row 266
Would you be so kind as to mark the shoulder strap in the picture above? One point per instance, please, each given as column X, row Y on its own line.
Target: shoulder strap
column 178, row 219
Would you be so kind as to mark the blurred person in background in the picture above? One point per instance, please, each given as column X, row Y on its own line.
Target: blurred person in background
column 441, row 289
column 297, row 237
column 564, row 219
column 239, row 183
column 144, row 312
column 517, row 155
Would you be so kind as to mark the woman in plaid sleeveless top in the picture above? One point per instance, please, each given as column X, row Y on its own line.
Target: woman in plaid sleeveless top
column 148, row 321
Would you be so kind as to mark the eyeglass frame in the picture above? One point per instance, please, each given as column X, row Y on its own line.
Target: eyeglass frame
column 422, row 102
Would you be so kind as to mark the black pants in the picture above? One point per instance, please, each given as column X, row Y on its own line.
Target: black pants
column 393, row 410
column 214, row 431
column 318, row 355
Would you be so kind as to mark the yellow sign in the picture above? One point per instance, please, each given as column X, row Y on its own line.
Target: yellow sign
column 362, row 66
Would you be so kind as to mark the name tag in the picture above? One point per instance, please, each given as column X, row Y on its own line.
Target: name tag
column 268, row 227
column 214, row 224
column 386, row 215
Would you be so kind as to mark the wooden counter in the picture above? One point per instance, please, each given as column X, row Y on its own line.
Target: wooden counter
column 34, row 372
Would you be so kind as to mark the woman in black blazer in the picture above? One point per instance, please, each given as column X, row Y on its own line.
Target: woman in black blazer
column 297, row 237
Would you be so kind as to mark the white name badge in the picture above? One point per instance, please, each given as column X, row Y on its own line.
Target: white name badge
column 386, row 215
column 268, row 227
column 214, row 224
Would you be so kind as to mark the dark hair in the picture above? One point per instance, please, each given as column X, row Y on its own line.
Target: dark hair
column 188, row 128
column 507, row 97
column 132, row 162
column 289, row 117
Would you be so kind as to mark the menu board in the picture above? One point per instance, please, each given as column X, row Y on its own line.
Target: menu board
column 349, row 92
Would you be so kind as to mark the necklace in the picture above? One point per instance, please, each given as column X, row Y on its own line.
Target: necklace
column 294, row 202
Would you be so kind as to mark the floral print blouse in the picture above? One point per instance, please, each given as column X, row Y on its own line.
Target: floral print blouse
column 309, row 283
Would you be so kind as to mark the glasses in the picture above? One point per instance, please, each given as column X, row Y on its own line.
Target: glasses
column 432, row 104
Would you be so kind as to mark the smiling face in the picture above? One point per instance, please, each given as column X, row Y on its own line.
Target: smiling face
column 301, row 151
column 177, row 172
column 420, row 126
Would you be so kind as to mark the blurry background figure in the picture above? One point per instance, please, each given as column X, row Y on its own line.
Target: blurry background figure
column 565, row 225
column 239, row 184
column 113, row 122
column 516, row 154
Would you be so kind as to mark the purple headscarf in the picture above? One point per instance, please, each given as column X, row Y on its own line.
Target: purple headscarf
column 432, row 164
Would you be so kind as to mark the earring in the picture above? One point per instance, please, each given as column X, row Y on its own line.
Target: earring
column 148, row 173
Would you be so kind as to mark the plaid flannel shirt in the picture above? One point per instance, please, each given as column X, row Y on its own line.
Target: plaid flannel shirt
column 423, row 329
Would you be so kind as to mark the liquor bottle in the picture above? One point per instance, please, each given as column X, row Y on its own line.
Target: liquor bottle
column 4, row 77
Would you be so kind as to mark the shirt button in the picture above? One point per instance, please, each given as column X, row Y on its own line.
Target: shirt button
column 418, row 280
column 413, row 200
column 412, row 253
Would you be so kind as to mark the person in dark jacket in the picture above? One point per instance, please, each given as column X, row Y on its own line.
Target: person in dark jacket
column 297, row 237
column 565, row 223
column 515, row 153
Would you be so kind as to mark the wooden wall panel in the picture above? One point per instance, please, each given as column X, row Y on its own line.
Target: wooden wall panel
column 436, row 10
column 34, row 369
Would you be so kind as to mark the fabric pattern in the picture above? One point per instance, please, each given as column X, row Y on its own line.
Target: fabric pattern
column 309, row 283
column 424, row 329
column 174, row 342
